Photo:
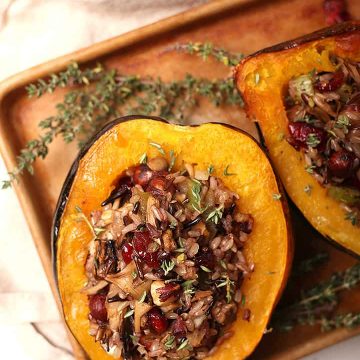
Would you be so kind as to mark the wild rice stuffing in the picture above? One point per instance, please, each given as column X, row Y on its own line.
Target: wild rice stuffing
column 324, row 113
column 166, row 266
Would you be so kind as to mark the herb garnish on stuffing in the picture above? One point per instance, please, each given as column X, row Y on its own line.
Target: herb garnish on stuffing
column 166, row 265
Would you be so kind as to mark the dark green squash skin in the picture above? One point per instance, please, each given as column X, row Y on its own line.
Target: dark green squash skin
column 345, row 28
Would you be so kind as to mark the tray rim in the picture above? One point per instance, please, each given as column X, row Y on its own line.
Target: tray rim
column 87, row 54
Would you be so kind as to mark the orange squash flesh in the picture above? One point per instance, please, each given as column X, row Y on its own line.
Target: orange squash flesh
column 263, row 79
column 118, row 147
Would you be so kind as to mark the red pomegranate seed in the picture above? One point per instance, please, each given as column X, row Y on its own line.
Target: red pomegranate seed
column 341, row 163
column 333, row 84
column 97, row 307
column 299, row 132
column 127, row 251
column 152, row 259
column 179, row 328
column 141, row 241
column 335, row 11
column 142, row 175
column 157, row 320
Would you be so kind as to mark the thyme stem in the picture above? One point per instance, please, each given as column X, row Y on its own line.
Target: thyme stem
column 97, row 95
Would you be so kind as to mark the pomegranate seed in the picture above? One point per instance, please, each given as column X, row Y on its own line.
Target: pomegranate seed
column 157, row 320
column 97, row 307
column 152, row 259
column 341, row 163
column 142, row 175
column 141, row 241
column 179, row 328
column 127, row 251
column 299, row 132
column 333, row 84
column 335, row 11
column 205, row 257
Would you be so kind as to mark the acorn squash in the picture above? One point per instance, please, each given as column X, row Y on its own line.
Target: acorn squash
column 263, row 80
column 119, row 146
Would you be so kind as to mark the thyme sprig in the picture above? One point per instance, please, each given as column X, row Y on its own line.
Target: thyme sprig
column 310, row 264
column 317, row 304
column 97, row 95
column 206, row 50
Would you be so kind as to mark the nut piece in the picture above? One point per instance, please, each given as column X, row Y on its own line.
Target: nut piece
column 158, row 164
column 169, row 243
column 163, row 294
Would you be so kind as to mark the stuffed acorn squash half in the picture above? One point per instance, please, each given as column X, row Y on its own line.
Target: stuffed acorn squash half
column 305, row 95
column 170, row 242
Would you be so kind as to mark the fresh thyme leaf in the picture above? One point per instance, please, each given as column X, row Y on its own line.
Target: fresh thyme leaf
column 183, row 345
column 216, row 215
column 276, row 196
column 243, row 300
column 129, row 313
column 170, row 342
column 349, row 321
column 196, row 197
column 159, row 147
column 167, row 266
column 204, row 268
column 73, row 74
column 310, row 264
column 223, row 265
column 343, row 122
column 134, row 339
column 315, row 303
column 78, row 209
column 143, row 159
column 143, row 297
column 226, row 171
column 206, row 50
column 308, row 189
column 352, row 217
column 134, row 274
column 312, row 140
column 172, row 160
column 310, row 169
column 229, row 284
column 210, row 169
column 80, row 216
column 98, row 230
column 188, row 286
column 330, row 132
